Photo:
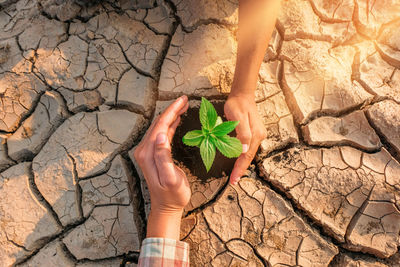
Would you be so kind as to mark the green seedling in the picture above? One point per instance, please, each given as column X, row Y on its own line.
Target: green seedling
column 213, row 134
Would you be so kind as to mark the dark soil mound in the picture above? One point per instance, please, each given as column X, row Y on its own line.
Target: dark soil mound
column 189, row 157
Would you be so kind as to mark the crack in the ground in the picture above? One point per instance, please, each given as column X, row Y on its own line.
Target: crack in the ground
column 66, row 229
column 40, row 198
column 78, row 189
column 319, row 229
column 315, row 225
column 356, row 217
column 384, row 140
column 11, row 161
column 290, row 102
column 205, row 22
column 137, row 199
column 26, row 114
column 163, row 96
column 322, row 17
column 15, row 243
column 210, row 202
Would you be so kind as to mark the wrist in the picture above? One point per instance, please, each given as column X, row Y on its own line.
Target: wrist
column 242, row 96
column 243, row 89
column 164, row 224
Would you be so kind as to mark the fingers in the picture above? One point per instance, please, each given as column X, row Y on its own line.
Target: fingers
column 172, row 129
column 244, row 161
column 243, row 133
column 163, row 160
column 241, row 165
column 168, row 117
column 146, row 165
column 174, row 110
column 183, row 110
column 161, row 122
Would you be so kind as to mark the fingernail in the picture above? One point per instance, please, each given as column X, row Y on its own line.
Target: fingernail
column 181, row 98
column 235, row 180
column 161, row 138
column 245, row 148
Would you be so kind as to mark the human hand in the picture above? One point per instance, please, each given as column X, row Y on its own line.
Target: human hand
column 168, row 186
column 250, row 130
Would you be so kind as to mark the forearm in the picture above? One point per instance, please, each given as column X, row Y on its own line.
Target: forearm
column 256, row 23
column 165, row 225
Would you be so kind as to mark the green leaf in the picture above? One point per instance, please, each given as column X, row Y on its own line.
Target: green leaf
column 193, row 138
column 207, row 152
column 208, row 115
column 224, row 128
column 219, row 121
column 230, row 147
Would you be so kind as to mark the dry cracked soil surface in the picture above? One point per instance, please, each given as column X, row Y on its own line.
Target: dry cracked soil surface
column 81, row 82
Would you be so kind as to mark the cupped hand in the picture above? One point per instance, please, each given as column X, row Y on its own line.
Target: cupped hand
column 168, row 186
column 250, row 130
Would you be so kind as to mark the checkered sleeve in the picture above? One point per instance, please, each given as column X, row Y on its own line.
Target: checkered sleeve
column 164, row 252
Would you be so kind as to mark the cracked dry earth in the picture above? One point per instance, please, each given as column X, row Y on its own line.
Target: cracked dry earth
column 80, row 84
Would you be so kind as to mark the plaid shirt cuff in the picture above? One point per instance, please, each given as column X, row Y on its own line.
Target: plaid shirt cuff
column 164, row 252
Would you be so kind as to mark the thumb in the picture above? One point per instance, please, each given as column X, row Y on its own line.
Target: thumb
column 163, row 160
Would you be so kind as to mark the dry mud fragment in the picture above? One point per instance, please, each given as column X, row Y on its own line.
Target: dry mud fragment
column 103, row 263
column 34, row 132
column 371, row 15
column 64, row 66
column 376, row 74
column 109, row 231
column 250, row 225
column 136, row 91
column 199, row 63
column 278, row 122
column 82, row 146
column 203, row 192
column 299, row 20
column 15, row 17
column 111, row 188
column 105, row 48
column 333, row 11
column 273, row 48
column 354, row 196
column 389, row 44
column 84, row 101
column 273, row 109
column 346, row 261
column 12, row 61
column 141, row 46
column 318, row 78
column 4, row 159
column 160, row 18
column 352, row 129
column 20, row 93
column 194, row 12
column 385, row 116
column 52, row 254
column 25, row 223
column 62, row 10
column 268, row 84
column 42, row 33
